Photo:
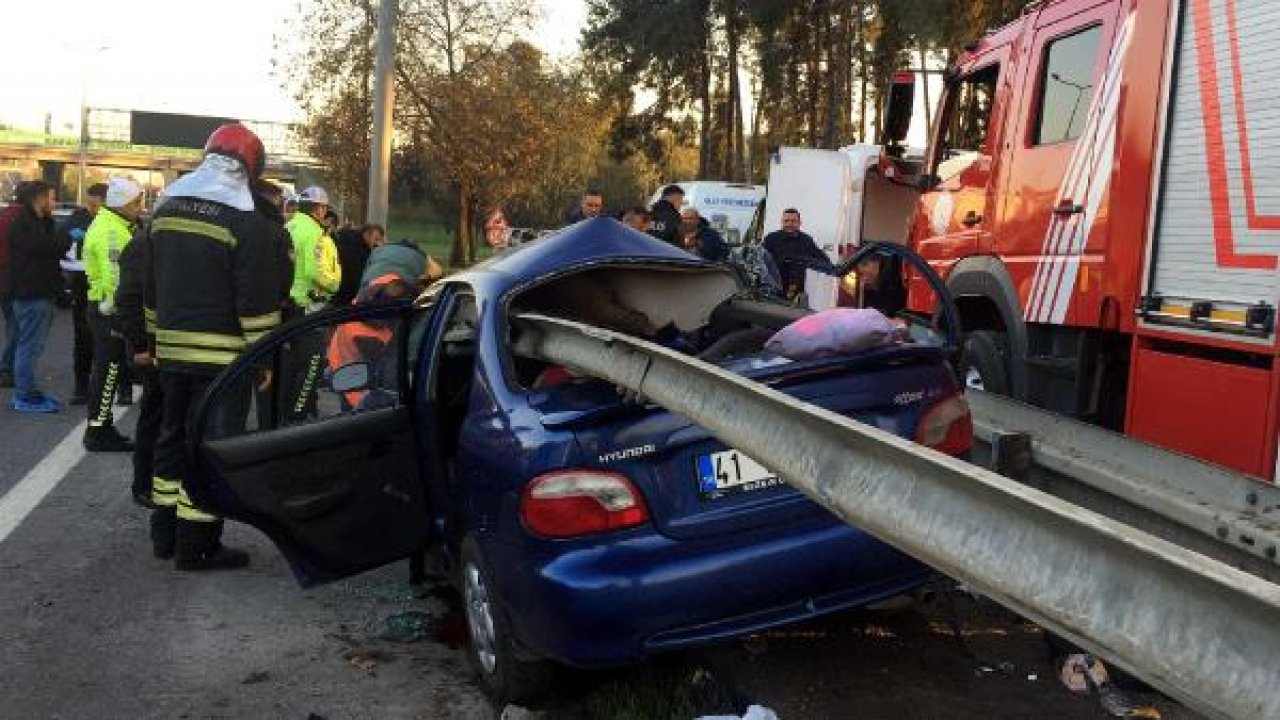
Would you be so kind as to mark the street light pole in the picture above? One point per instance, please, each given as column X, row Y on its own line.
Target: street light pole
column 383, row 105
column 84, row 122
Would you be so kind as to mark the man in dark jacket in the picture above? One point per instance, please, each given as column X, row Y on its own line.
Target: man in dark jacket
column 35, row 279
column 137, row 324
column 794, row 252
column 698, row 237
column 664, row 216
column 354, row 247
column 7, row 215
column 73, row 269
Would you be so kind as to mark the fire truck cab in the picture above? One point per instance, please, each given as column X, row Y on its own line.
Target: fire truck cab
column 1101, row 192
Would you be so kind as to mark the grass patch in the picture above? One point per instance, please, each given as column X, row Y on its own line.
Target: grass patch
column 661, row 691
column 434, row 238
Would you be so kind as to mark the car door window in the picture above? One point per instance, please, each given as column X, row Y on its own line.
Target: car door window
column 320, row 373
column 968, row 120
column 1066, row 86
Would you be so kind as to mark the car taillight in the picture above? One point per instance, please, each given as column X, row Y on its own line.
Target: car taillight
column 571, row 503
column 947, row 426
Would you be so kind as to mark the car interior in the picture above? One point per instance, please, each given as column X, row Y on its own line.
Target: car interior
column 700, row 311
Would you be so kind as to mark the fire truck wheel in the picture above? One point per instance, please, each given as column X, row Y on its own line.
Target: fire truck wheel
column 986, row 358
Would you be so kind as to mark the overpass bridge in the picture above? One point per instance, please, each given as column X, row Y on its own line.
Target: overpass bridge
column 108, row 143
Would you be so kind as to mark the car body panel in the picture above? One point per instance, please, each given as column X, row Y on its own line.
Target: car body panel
column 702, row 569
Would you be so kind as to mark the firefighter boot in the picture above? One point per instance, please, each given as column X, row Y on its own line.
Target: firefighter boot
column 164, row 528
column 105, row 438
column 200, row 548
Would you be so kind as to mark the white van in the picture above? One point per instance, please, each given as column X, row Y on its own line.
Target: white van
column 729, row 207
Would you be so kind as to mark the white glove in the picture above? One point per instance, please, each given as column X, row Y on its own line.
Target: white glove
column 107, row 307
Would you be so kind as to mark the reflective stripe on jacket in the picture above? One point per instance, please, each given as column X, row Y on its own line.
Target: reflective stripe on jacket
column 214, row 281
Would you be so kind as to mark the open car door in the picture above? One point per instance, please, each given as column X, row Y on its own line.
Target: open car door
column 309, row 437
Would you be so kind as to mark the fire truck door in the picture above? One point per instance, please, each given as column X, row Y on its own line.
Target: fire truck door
column 1052, row 220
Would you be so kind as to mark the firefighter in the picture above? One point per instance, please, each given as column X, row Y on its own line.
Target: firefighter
column 317, row 275
column 137, row 324
column 214, row 281
column 105, row 239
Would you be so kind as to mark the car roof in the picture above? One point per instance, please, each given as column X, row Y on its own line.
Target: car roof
column 597, row 241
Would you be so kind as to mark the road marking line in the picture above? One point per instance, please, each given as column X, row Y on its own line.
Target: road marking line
column 32, row 489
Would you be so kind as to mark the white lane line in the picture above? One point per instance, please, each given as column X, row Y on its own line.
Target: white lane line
column 44, row 477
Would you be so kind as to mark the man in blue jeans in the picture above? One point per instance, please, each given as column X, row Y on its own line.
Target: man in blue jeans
column 34, row 280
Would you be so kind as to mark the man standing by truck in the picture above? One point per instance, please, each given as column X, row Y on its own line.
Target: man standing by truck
column 793, row 252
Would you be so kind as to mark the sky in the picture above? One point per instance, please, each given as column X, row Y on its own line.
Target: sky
column 180, row 56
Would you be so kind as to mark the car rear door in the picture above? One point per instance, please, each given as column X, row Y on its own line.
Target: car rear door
column 309, row 437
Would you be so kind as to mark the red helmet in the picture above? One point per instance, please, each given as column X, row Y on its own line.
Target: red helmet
column 237, row 141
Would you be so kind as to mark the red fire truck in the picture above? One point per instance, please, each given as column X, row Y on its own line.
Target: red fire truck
column 1102, row 192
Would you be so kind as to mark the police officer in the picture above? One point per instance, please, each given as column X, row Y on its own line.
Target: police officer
column 664, row 216
column 105, row 240
column 214, row 281
column 317, row 275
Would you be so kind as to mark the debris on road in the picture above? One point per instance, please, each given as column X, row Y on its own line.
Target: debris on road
column 254, row 678
column 407, row 627
column 1081, row 671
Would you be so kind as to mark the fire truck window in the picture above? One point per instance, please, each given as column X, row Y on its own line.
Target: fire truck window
column 1066, row 86
column 968, row 120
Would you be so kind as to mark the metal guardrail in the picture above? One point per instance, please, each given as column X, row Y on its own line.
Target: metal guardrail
column 1199, row 630
column 1211, row 510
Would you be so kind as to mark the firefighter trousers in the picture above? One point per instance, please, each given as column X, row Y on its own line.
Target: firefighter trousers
column 196, row 532
column 150, row 417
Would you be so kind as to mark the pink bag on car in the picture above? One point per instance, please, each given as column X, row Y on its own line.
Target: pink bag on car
column 839, row 331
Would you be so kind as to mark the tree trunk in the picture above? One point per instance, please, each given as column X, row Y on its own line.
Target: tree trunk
column 734, row 163
column 704, row 82
column 862, row 70
column 462, row 251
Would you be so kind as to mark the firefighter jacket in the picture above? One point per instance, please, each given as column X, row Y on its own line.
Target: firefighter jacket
column 214, row 281
column 105, row 239
column 137, row 321
column 316, row 272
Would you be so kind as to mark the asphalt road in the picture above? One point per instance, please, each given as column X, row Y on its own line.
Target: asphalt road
column 91, row 626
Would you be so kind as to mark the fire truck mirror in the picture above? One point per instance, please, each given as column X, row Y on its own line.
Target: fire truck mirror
column 897, row 116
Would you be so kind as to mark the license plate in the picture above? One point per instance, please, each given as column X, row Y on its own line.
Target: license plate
column 728, row 472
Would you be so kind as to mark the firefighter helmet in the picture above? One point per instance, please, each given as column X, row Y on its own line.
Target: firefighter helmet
column 237, row 141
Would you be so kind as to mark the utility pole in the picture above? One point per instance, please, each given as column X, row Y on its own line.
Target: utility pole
column 383, row 105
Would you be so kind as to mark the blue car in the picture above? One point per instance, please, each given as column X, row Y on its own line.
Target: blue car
column 585, row 529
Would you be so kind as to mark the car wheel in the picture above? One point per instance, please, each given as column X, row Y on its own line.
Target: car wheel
column 986, row 362
column 506, row 673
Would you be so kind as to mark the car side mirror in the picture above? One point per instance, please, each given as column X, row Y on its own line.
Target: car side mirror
column 350, row 377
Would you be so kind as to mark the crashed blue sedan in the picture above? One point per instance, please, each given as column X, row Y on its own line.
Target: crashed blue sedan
column 582, row 528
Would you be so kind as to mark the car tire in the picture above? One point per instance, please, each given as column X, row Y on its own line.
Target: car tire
column 986, row 362
column 506, row 673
